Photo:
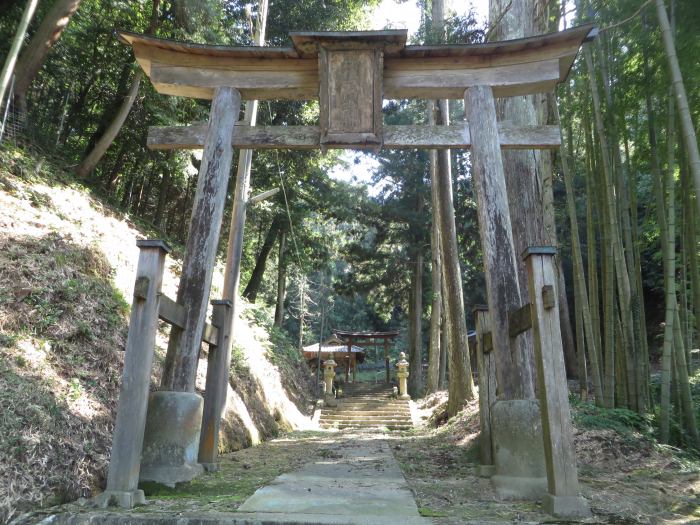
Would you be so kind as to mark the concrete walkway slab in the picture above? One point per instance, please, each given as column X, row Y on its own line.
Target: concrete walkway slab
column 360, row 482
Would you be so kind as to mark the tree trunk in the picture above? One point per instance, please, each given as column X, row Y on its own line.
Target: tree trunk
column 90, row 161
column 621, row 274
column 433, row 378
column 93, row 158
column 253, row 286
column 461, row 383
column 667, row 222
column 444, row 342
column 42, row 41
column 281, row 282
column 8, row 67
column 528, row 172
column 415, row 322
column 162, row 198
column 681, row 368
column 689, row 138
column 582, row 304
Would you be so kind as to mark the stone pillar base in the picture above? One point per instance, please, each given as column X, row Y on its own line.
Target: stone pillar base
column 210, row 467
column 519, row 487
column 405, row 396
column 330, row 401
column 566, row 506
column 518, row 450
column 171, row 440
column 486, row 471
column 124, row 499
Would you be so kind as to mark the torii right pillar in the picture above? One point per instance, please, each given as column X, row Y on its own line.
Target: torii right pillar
column 522, row 457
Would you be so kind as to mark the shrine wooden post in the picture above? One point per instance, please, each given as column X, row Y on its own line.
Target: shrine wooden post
column 125, row 458
column 496, row 239
column 486, row 364
column 216, row 387
column 180, row 367
column 564, row 498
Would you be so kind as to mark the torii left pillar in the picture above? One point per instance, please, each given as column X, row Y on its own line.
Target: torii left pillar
column 177, row 402
column 180, row 367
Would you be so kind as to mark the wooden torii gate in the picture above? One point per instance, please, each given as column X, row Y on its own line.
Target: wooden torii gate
column 351, row 74
column 367, row 339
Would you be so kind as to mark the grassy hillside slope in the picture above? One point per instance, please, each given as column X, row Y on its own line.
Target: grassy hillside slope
column 67, row 264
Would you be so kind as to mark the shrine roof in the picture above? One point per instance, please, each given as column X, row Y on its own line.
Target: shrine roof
column 305, row 44
column 512, row 67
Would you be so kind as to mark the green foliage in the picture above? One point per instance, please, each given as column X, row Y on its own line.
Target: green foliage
column 622, row 421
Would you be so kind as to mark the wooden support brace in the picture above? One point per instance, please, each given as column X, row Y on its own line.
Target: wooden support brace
column 125, row 458
column 176, row 315
column 216, row 386
column 519, row 320
column 563, row 499
column 309, row 137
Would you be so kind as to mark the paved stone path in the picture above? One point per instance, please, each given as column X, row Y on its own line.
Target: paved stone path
column 359, row 483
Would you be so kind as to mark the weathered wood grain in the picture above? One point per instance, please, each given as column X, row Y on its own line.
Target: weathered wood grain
column 253, row 85
column 171, row 312
column 180, row 368
column 519, row 320
column 216, row 386
column 505, row 80
column 486, row 363
column 129, row 427
column 496, row 237
column 350, row 95
column 308, row 137
column 518, row 67
column 560, row 455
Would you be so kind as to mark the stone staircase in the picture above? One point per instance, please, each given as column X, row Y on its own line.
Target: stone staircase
column 368, row 405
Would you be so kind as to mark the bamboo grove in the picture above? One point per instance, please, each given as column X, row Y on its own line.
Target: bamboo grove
column 632, row 216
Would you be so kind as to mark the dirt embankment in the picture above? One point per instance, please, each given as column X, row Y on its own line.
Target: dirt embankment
column 67, row 266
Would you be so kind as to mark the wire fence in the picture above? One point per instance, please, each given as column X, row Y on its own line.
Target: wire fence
column 13, row 119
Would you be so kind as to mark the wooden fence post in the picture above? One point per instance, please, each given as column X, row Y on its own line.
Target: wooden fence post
column 216, row 386
column 563, row 499
column 180, row 368
column 486, row 363
column 125, row 458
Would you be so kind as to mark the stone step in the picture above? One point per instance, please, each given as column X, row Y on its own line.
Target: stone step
column 341, row 407
column 347, row 402
column 366, row 422
column 362, row 417
column 355, row 424
column 369, row 412
column 366, row 419
column 373, row 400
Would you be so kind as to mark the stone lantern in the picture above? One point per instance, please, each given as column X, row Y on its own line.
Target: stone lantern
column 402, row 374
column 328, row 375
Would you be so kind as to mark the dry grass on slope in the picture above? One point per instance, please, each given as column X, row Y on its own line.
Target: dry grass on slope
column 626, row 476
column 67, row 262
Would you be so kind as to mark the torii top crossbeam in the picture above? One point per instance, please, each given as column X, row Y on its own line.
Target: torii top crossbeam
column 351, row 74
